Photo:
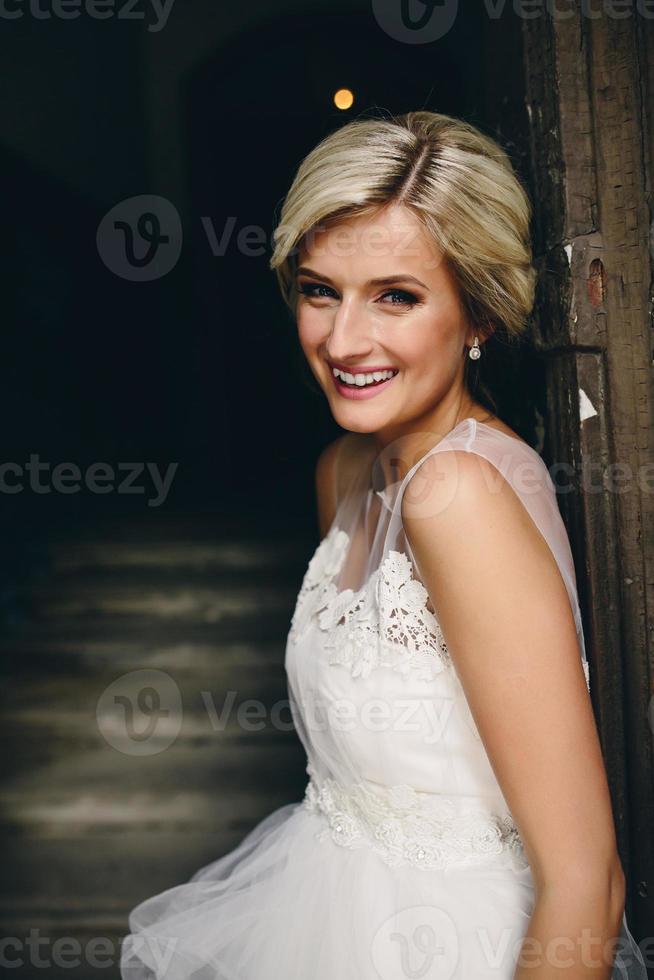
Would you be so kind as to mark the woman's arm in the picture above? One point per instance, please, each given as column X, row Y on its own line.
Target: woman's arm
column 326, row 483
column 334, row 468
column 506, row 618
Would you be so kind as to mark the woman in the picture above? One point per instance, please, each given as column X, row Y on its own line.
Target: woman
column 457, row 821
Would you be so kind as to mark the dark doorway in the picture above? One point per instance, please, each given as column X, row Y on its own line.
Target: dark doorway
column 198, row 368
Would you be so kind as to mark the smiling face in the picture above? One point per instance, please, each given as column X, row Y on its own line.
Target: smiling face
column 375, row 295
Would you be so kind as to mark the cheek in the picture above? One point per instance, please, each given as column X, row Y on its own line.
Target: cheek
column 310, row 329
column 430, row 348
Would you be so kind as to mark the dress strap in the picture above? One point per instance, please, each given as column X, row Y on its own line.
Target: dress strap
column 525, row 472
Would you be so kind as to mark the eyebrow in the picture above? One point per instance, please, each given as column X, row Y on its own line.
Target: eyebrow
column 380, row 281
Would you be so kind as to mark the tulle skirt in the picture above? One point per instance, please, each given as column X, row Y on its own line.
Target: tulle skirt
column 286, row 904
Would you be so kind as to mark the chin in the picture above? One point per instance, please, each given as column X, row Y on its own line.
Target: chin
column 354, row 421
column 353, row 427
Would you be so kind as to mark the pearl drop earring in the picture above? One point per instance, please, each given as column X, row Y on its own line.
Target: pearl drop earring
column 475, row 351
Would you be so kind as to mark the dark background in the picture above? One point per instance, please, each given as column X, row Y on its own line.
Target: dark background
column 214, row 113
column 199, row 367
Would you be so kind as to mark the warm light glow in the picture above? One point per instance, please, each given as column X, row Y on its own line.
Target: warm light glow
column 343, row 99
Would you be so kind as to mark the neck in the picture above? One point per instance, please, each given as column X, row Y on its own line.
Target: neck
column 395, row 449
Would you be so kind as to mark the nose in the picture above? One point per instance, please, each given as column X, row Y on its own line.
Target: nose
column 349, row 338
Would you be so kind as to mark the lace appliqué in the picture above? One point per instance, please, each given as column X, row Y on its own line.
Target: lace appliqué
column 406, row 827
column 317, row 588
column 385, row 623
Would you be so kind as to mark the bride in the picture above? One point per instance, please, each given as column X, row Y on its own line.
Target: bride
column 456, row 822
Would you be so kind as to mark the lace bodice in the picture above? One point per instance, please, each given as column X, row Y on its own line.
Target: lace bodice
column 384, row 623
column 395, row 760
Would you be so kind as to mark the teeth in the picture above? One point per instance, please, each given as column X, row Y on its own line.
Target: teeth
column 362, row 379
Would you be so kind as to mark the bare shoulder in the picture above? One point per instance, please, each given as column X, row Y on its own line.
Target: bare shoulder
column 454, row 486
column 334, row 468
column 458, row 506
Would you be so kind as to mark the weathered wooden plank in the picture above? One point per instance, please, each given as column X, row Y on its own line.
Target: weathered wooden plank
column 624, row 173
column 589, row 91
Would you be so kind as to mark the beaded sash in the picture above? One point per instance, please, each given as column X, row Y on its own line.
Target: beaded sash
column 407, row 827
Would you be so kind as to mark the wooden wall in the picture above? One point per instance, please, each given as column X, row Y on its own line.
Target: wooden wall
column 589, row 93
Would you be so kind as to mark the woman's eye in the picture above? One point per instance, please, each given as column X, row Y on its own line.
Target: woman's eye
column 310, row 289
column 402, row 298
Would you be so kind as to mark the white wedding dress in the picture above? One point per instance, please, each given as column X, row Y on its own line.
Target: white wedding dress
column 402, row 860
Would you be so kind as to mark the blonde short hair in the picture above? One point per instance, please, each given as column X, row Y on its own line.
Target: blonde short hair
column 458, row 182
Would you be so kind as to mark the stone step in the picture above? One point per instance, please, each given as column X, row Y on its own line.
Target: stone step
column 61, row 713
column 50, row 881
column 233, row 556
column 92, row 652
column 135, row 578
column 74, row 634
column 184, row 787
column 73, row 949
column 123, row 776
column 87, row 601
